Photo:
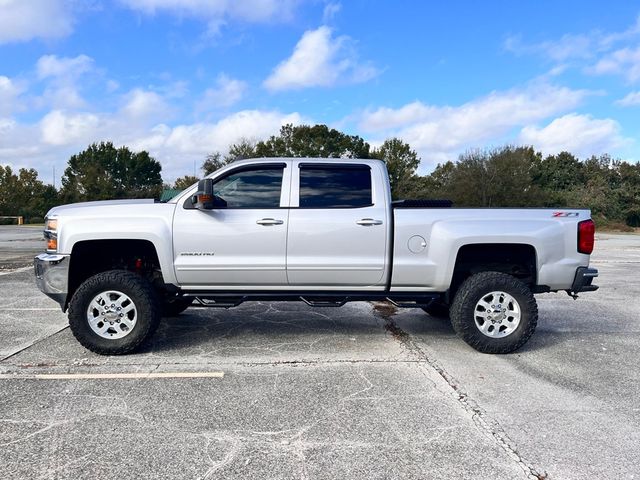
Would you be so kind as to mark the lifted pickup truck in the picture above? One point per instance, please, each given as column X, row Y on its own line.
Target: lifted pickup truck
column 323, row 231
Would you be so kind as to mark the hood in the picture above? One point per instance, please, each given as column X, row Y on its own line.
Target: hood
column 61, row 208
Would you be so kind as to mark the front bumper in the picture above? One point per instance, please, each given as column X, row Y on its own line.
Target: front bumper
column 583, row 280
column 52, row 276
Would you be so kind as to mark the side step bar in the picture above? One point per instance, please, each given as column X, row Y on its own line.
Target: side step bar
column 313, row 299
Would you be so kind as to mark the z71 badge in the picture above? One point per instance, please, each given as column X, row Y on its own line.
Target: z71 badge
column 565, row 214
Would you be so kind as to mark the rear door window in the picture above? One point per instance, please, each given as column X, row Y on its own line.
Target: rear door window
column 340, row 186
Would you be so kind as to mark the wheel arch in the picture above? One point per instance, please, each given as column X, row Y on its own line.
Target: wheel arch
column 517, row 259
column 90, row 257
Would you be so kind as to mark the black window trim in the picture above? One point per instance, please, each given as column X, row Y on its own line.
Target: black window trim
column 337, row 166
column 188, row 205
column 345, row 166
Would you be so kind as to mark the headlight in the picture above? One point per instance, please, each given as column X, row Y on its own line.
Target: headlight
column 51, row 234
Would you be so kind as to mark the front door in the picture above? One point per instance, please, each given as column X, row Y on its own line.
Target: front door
column 242, row 245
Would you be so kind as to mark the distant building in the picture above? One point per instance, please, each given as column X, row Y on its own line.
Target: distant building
column 168, row 194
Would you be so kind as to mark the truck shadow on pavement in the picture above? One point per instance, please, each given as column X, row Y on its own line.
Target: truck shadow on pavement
column 279, row 328
column 273, row 328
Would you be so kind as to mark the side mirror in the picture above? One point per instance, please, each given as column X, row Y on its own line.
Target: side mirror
column 204, row 199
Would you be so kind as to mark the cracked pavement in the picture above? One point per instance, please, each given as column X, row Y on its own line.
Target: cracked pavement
column 363, row 391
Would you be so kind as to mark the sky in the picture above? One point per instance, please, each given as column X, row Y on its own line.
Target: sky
column 185, row 78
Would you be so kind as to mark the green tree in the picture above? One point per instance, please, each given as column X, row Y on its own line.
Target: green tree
column 557, row 172
column 103, row 171
column 24, row 194
column 313, row 141
column 185, row 182
column 243, row 148
column 213, row 162
column 489, row 178
column 402, row 163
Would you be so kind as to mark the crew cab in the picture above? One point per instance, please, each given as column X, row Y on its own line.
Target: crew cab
column 323, row 231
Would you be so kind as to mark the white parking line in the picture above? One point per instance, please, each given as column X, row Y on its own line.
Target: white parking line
column 13, row 309
column 17, row 270
column 109, row 376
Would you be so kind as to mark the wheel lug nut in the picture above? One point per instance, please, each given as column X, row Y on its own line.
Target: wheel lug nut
column 122, row 314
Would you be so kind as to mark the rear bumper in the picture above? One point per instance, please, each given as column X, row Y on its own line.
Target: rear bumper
column 583, row 281
column 52, row 276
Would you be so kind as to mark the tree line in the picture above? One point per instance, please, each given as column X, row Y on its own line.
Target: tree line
column 509, row 176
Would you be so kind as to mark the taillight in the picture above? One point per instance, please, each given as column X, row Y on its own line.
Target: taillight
column 586, row 236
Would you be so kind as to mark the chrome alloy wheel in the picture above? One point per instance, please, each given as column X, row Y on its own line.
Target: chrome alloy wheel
column 497, row 314
column 112, row 314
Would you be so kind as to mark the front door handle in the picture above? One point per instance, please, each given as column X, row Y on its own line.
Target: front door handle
column 367, row 222
column 269, row 221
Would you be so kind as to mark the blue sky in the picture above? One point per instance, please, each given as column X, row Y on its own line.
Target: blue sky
column 183, row 78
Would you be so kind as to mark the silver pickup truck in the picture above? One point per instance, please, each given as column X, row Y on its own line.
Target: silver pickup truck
column 323, row 231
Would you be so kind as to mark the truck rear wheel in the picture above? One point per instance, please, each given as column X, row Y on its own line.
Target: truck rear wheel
column 494, row 312
column 114, row 312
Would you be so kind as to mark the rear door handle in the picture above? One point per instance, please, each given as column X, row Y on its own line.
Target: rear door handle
column 269, row 221
column 367, row 222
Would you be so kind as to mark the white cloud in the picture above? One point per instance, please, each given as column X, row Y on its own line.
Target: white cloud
column 60, row 128
column 567, row 47
column 439, row 132
column 630, row 100
column 581, row 135
column 144, row 104
column 67, row 67
column 331, row 9
column 10, row 90
column 112, row 85
column 216, row 10
column 60, row 133
column 177, row 147
column 23, row 20
column 625, row 62
column 202, row 138
column 227, row 91
column 320, row 60
column 61, row 76
column 65, row 97
column 570, row 46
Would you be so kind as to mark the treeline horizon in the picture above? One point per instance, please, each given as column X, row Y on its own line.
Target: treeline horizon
column 507, row 176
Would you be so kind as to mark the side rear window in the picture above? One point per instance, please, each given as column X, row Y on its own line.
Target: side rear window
column 337, row 186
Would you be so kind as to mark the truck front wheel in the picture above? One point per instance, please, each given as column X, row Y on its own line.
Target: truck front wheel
column 114, row 312
column 494, row 312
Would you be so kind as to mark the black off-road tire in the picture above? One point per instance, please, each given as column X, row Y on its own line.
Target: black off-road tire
column 437, row 309
column 141, row 293
column 463, row 310
column 174, row 306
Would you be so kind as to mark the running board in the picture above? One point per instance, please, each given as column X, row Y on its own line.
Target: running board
column 219, row 302
column 313, row 299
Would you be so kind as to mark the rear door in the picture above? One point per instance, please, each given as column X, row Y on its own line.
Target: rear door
column 337, row 227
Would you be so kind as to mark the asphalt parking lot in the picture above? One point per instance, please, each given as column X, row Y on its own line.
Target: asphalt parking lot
column 287, row 391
